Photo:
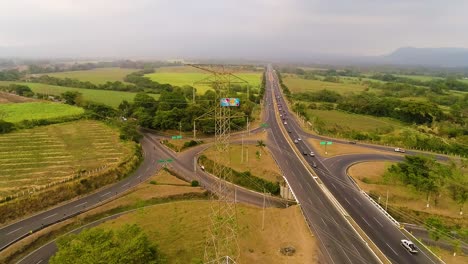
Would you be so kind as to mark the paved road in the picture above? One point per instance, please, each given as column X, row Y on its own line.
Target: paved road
column 383, row 232
column 339, row 243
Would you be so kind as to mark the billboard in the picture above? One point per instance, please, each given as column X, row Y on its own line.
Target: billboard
column 230, row 101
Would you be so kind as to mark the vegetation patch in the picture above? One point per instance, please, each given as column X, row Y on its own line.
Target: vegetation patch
column 297, row 84
column 96, row 76
column 16, row 113
column 13, row 98
column 110, row 98
column 34, row 158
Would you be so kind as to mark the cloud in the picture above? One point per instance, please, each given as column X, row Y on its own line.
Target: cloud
column 242, row 28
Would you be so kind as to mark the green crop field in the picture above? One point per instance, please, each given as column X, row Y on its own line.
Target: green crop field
column 297, row 85
column 43, row 155
column 111, row 98
column 180, row 76
column 37, row 110
column 356, row 122
column 96, row 76
column 418, row 77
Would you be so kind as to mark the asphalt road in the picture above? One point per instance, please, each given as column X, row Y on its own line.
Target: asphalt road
column 383, row 232
column 338, row 241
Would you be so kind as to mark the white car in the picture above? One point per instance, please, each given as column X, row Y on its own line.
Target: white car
column 299, row 139
column 409, row 246
column 285, row 123
column 400, row 150
column 312, row 154
column 295, row 141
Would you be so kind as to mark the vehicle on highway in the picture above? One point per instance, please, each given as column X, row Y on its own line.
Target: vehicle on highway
column 299, row 139
column 305, row 153
column 202, row 167
column 312, row 154
column 409, row 246
column 400, row 150
column 285, row 123
column 289, row 131
column 352, row 142
column 314, row 165
column 295, row 141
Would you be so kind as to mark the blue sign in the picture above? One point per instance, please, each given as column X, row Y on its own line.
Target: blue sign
column 230, row 101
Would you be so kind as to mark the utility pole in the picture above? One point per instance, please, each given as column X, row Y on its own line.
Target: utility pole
column 180, row 128
column 193, row 92
column 386, row 203
column 247, row 155
column 248, row 126
column 194, row 164
column 194, row 131
column 263, row 211
column 242, row 149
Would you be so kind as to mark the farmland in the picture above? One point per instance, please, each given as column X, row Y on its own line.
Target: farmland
column 12, row 98
column 95, row 76
column 36, row 157
column 298, row 85
column 36, row 111
column 180, row 76
column 110, row 98
column 356, row 122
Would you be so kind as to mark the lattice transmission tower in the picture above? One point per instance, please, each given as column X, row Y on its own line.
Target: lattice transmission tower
column 221, row 245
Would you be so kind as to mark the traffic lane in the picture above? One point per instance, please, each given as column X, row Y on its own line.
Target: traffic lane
column 372, row 216
column 12, row 232
column 336, row 232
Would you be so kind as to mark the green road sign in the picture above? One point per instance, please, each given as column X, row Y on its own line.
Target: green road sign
column 169, row 160
column 323, row 142
column 161, row 161
column 329, row 142
column 165, row 160
column 176, row 137
column 264, row 125
column 179, row 137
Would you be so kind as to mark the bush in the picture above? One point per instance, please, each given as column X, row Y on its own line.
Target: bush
column 195, row 183
column 153, row 182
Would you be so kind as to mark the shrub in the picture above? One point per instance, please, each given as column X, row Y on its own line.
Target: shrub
column 195, row 183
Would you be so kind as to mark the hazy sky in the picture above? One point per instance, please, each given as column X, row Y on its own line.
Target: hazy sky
column 227, row 28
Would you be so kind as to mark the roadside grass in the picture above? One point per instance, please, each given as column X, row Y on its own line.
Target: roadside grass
column 96, row 76
column 36, row 111
column 448, row 257
column 6, row 98
column 110, row 98
column 180, row 76
column 369, row 177
column 34, row 158
column 297, row 85
column 363, row 123
column 181, row 230
column 262, row 165
column 336, row 149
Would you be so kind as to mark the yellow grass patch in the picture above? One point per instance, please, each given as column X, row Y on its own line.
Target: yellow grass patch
column 336, row 149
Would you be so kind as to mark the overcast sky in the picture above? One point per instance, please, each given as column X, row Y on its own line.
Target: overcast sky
column 227, row 28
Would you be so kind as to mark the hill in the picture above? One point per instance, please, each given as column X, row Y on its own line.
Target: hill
column 443, row 57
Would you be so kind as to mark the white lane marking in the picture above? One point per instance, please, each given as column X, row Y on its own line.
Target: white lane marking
column 323, row 221
column 347, row 201
column 49, row 216
column 81, row 204
column 334, row 186
column 40, row 261
column 366, row 221
column 125, row 184
column 105, row 194
column 346, row 256
column 357, row 201
column 14, row 231
column 377, row 221
column 392, row 249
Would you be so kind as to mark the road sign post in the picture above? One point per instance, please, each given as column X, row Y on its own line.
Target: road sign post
column 326, row 143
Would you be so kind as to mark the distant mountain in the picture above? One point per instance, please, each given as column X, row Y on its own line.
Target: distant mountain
column 442, row 57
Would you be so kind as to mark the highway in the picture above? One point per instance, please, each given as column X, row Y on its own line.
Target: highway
column 383, row 232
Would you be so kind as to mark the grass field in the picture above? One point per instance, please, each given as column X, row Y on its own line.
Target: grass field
column 180, row 76
column 418, row 77
column 96, row 76
column 263, row 167
column 180, row 230
column 368, row 175
column 111, row 98
column 362, row 123
column 39, row 156
column 297, row 85
column 37, row 110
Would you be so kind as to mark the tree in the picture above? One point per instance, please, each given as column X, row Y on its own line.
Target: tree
column 436, row 228
column 260, row 143
column 6, row 127
column 72, row 98
column 126, row 245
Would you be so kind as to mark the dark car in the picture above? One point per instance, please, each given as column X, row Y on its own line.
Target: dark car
column 352, row 142
column 305, row 153
column 314, row 165
column 289, row 131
